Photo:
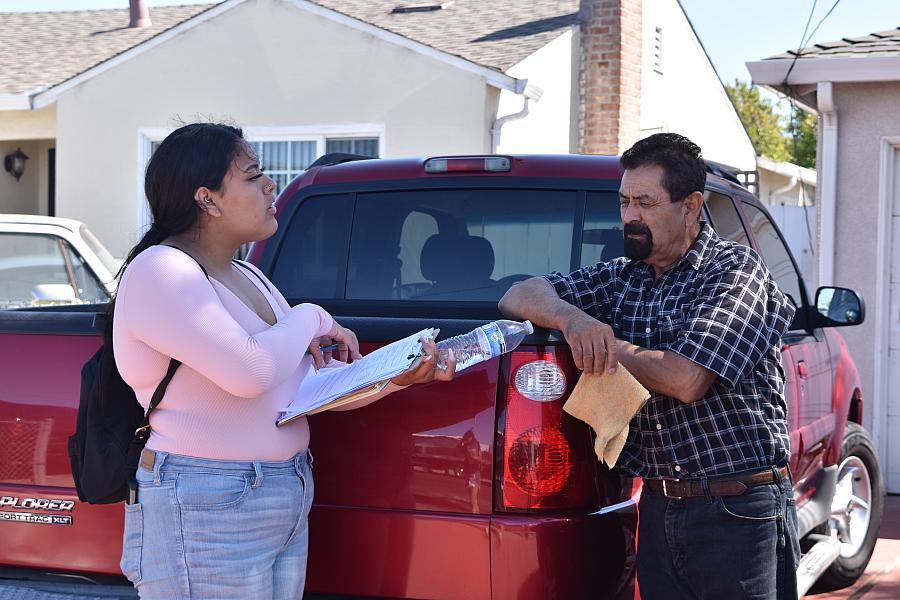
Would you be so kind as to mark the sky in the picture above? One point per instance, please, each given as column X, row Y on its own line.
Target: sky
column 732, row 31
column 736, row 31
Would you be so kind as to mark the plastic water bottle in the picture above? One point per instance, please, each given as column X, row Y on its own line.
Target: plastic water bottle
column 483, row 343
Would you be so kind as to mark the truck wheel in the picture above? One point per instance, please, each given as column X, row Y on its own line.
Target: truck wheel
column 856, row 508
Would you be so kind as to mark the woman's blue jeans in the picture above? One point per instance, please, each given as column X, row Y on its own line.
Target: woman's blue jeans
column 219, row 529
column 720, row 547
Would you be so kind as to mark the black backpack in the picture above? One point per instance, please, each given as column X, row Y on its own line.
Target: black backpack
column 111, row 428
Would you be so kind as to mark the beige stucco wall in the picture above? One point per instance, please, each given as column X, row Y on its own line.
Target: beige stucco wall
column 28, row 124
column 866, row 113
column 28, row 195
column 264, row 63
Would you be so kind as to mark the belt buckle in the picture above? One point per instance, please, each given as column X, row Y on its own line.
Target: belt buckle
column 666, row 490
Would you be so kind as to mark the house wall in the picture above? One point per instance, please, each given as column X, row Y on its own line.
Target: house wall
column 28, row 124
column 264, row 63
column 868, row 112
column 546, row 128
column 28, row 195
column 685, row 96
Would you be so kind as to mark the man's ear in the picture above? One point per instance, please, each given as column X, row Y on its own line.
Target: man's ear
column 206, row 201
column 692, row 204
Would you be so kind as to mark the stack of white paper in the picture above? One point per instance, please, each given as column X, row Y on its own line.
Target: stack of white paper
column 328, row 385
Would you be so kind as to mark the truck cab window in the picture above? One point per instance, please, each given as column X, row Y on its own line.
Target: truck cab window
column 311, row 262
column 601, row 239
column 89, row 291
column 456, row 245
column 725, row 217
column 28, row 261
column 775, row 254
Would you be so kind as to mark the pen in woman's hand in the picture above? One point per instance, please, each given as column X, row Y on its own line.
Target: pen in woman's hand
column 323, row 349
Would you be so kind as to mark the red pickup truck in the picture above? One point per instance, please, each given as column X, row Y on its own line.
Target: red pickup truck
column 468, row 489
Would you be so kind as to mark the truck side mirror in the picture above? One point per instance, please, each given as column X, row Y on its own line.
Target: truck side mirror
column 836, row 307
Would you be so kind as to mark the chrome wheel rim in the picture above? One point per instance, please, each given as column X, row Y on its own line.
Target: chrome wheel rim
column 851, row 505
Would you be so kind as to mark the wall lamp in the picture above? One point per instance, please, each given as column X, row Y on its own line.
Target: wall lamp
column 14, row 163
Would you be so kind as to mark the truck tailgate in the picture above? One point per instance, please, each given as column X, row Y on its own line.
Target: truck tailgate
column 395, row 494
column 42, row 524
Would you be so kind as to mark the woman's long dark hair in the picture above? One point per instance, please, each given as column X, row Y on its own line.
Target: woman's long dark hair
column 193, row 156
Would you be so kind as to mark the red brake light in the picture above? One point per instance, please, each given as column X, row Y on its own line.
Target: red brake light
column 468, row 164
column 539, row 461
column 547, row 459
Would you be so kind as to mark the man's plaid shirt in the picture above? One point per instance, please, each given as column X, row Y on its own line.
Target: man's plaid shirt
column 719, row 307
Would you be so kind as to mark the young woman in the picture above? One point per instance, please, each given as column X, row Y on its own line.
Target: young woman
column 223, row 495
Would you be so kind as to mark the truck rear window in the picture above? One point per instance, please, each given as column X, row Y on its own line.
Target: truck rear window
column 439, row 244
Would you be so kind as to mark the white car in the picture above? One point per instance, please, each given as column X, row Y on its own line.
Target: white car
column 51, row 260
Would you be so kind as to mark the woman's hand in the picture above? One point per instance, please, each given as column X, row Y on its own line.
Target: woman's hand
column 347, row 346
column 427, row 370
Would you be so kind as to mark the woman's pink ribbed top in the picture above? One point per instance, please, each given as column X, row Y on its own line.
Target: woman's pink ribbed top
column 238, row 371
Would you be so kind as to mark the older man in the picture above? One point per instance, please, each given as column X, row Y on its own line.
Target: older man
column 697, row 320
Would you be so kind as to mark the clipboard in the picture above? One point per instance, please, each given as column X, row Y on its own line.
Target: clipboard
column 332, row 387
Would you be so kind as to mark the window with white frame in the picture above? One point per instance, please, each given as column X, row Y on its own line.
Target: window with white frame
column 282, row 160
column 283, row 152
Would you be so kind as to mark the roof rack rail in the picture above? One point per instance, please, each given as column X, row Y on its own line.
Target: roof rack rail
column 336, row 158
column 723, row 171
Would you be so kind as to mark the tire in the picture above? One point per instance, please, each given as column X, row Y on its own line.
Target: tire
column 856, row 508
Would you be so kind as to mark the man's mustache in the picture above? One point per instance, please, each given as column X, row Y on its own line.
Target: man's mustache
column 637, row 229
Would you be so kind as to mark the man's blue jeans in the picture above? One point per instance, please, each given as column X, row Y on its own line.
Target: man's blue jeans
column 719, row 547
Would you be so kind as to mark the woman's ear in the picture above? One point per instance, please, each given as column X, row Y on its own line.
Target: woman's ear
column 206, row 201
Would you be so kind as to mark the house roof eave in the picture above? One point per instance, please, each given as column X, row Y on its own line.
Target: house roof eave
column 50, row 95
column 21, row 101
column 813, row 70
column 788, row 169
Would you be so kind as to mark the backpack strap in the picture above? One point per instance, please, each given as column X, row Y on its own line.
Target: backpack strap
column 192, row 258
column 255, row 274
column 143, row 432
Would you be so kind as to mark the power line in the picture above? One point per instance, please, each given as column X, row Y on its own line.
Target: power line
column 802, row 43
column 804, row 40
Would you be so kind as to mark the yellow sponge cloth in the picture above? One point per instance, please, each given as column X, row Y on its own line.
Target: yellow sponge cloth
column 607, row 403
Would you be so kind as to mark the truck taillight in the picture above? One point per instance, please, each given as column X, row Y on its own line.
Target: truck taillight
column 547, row 459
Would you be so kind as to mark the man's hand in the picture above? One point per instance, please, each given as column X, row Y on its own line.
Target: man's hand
column 593, row 344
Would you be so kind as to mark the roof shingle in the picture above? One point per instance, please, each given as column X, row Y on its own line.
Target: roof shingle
column 44, row 49
column 41, row 50
column 495, row 34
column 881, row 43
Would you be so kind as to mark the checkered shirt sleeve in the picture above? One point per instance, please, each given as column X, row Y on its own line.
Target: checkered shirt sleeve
column 741, row 316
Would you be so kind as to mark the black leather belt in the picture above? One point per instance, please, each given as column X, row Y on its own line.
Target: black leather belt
column 726, row 485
